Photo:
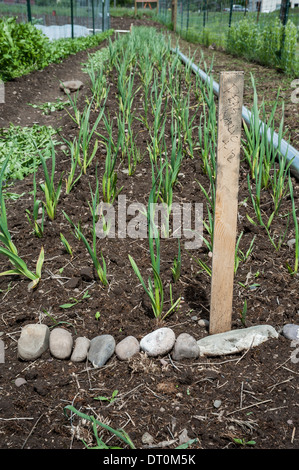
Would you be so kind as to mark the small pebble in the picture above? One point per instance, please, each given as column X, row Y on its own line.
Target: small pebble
column 204, row 323
column 291, row 331
column 147, row 438
column 20, row 381
column 217, row 403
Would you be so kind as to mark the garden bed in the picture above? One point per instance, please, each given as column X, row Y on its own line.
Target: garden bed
column 257, row 391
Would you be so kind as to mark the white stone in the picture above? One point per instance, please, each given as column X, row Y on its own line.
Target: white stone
column 158, row 342
column 33, row 342
column 127, row 348
column 80, row 350
column 60, row 343
column 234, row 341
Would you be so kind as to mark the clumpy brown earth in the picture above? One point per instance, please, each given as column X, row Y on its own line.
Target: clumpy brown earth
column 258, row 388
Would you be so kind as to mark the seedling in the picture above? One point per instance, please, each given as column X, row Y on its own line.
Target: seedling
column 75, row 301
column 50, row 107
column 243, row 442
column 111, row 399
column 66, row 245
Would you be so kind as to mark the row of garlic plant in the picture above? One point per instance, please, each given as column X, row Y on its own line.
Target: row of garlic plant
column 147, row 68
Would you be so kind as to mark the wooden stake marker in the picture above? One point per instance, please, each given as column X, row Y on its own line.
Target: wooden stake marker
column 231, row 87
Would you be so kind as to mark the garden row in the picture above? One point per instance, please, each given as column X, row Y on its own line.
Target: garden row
column 142, row 133
column 177, row 121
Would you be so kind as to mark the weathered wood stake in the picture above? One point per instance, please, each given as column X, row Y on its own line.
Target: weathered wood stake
column 231, row 86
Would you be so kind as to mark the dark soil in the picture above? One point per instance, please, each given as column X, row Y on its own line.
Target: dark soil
column 258, row 389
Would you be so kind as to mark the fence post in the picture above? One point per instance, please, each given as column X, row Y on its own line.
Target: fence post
column 72, row 18
column 231, row 87
column 103, row 16
column 188, row 11
column 284, row 11
column 174, row 6
column 230, row 13
column 92, row 12
column 29, row 11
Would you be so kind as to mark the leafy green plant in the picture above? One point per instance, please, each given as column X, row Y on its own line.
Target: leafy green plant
column 22, row 144
column 52, row 194
column 177, row 265
column 50, row 107
column 109, row 180
column 24, row 48
column 86, row 134
column 72, row 179
column 110, row 399
column 36, row 222
column 10, row 251
column 240, row 256
column 75, row 301
column 98, row 262
column 66, row 245
column 155, row 290
column 243, row 442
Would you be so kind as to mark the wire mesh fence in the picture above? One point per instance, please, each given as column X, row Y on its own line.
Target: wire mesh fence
column 257, row 29
column 217, row 16
column 66, row 18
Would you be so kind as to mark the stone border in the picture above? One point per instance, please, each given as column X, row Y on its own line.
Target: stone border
column 35, row 339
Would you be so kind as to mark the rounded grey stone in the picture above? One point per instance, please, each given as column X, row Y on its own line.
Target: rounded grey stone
column 20, row 381
column 291, row 331
column 185, row 347
column 60, row 343
column 158, row 342
column 33, row 341
column 127, row 348
column 80, row 350
column 101, row 349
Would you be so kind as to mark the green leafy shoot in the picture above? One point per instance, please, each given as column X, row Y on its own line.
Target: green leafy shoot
column 119, row 433
column 35, row 220
column 75, row 301
column 52, row 195
column 110, row 399
column 66, row 245
column 10, row 251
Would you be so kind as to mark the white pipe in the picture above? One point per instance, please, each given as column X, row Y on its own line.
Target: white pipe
column 285, row 148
